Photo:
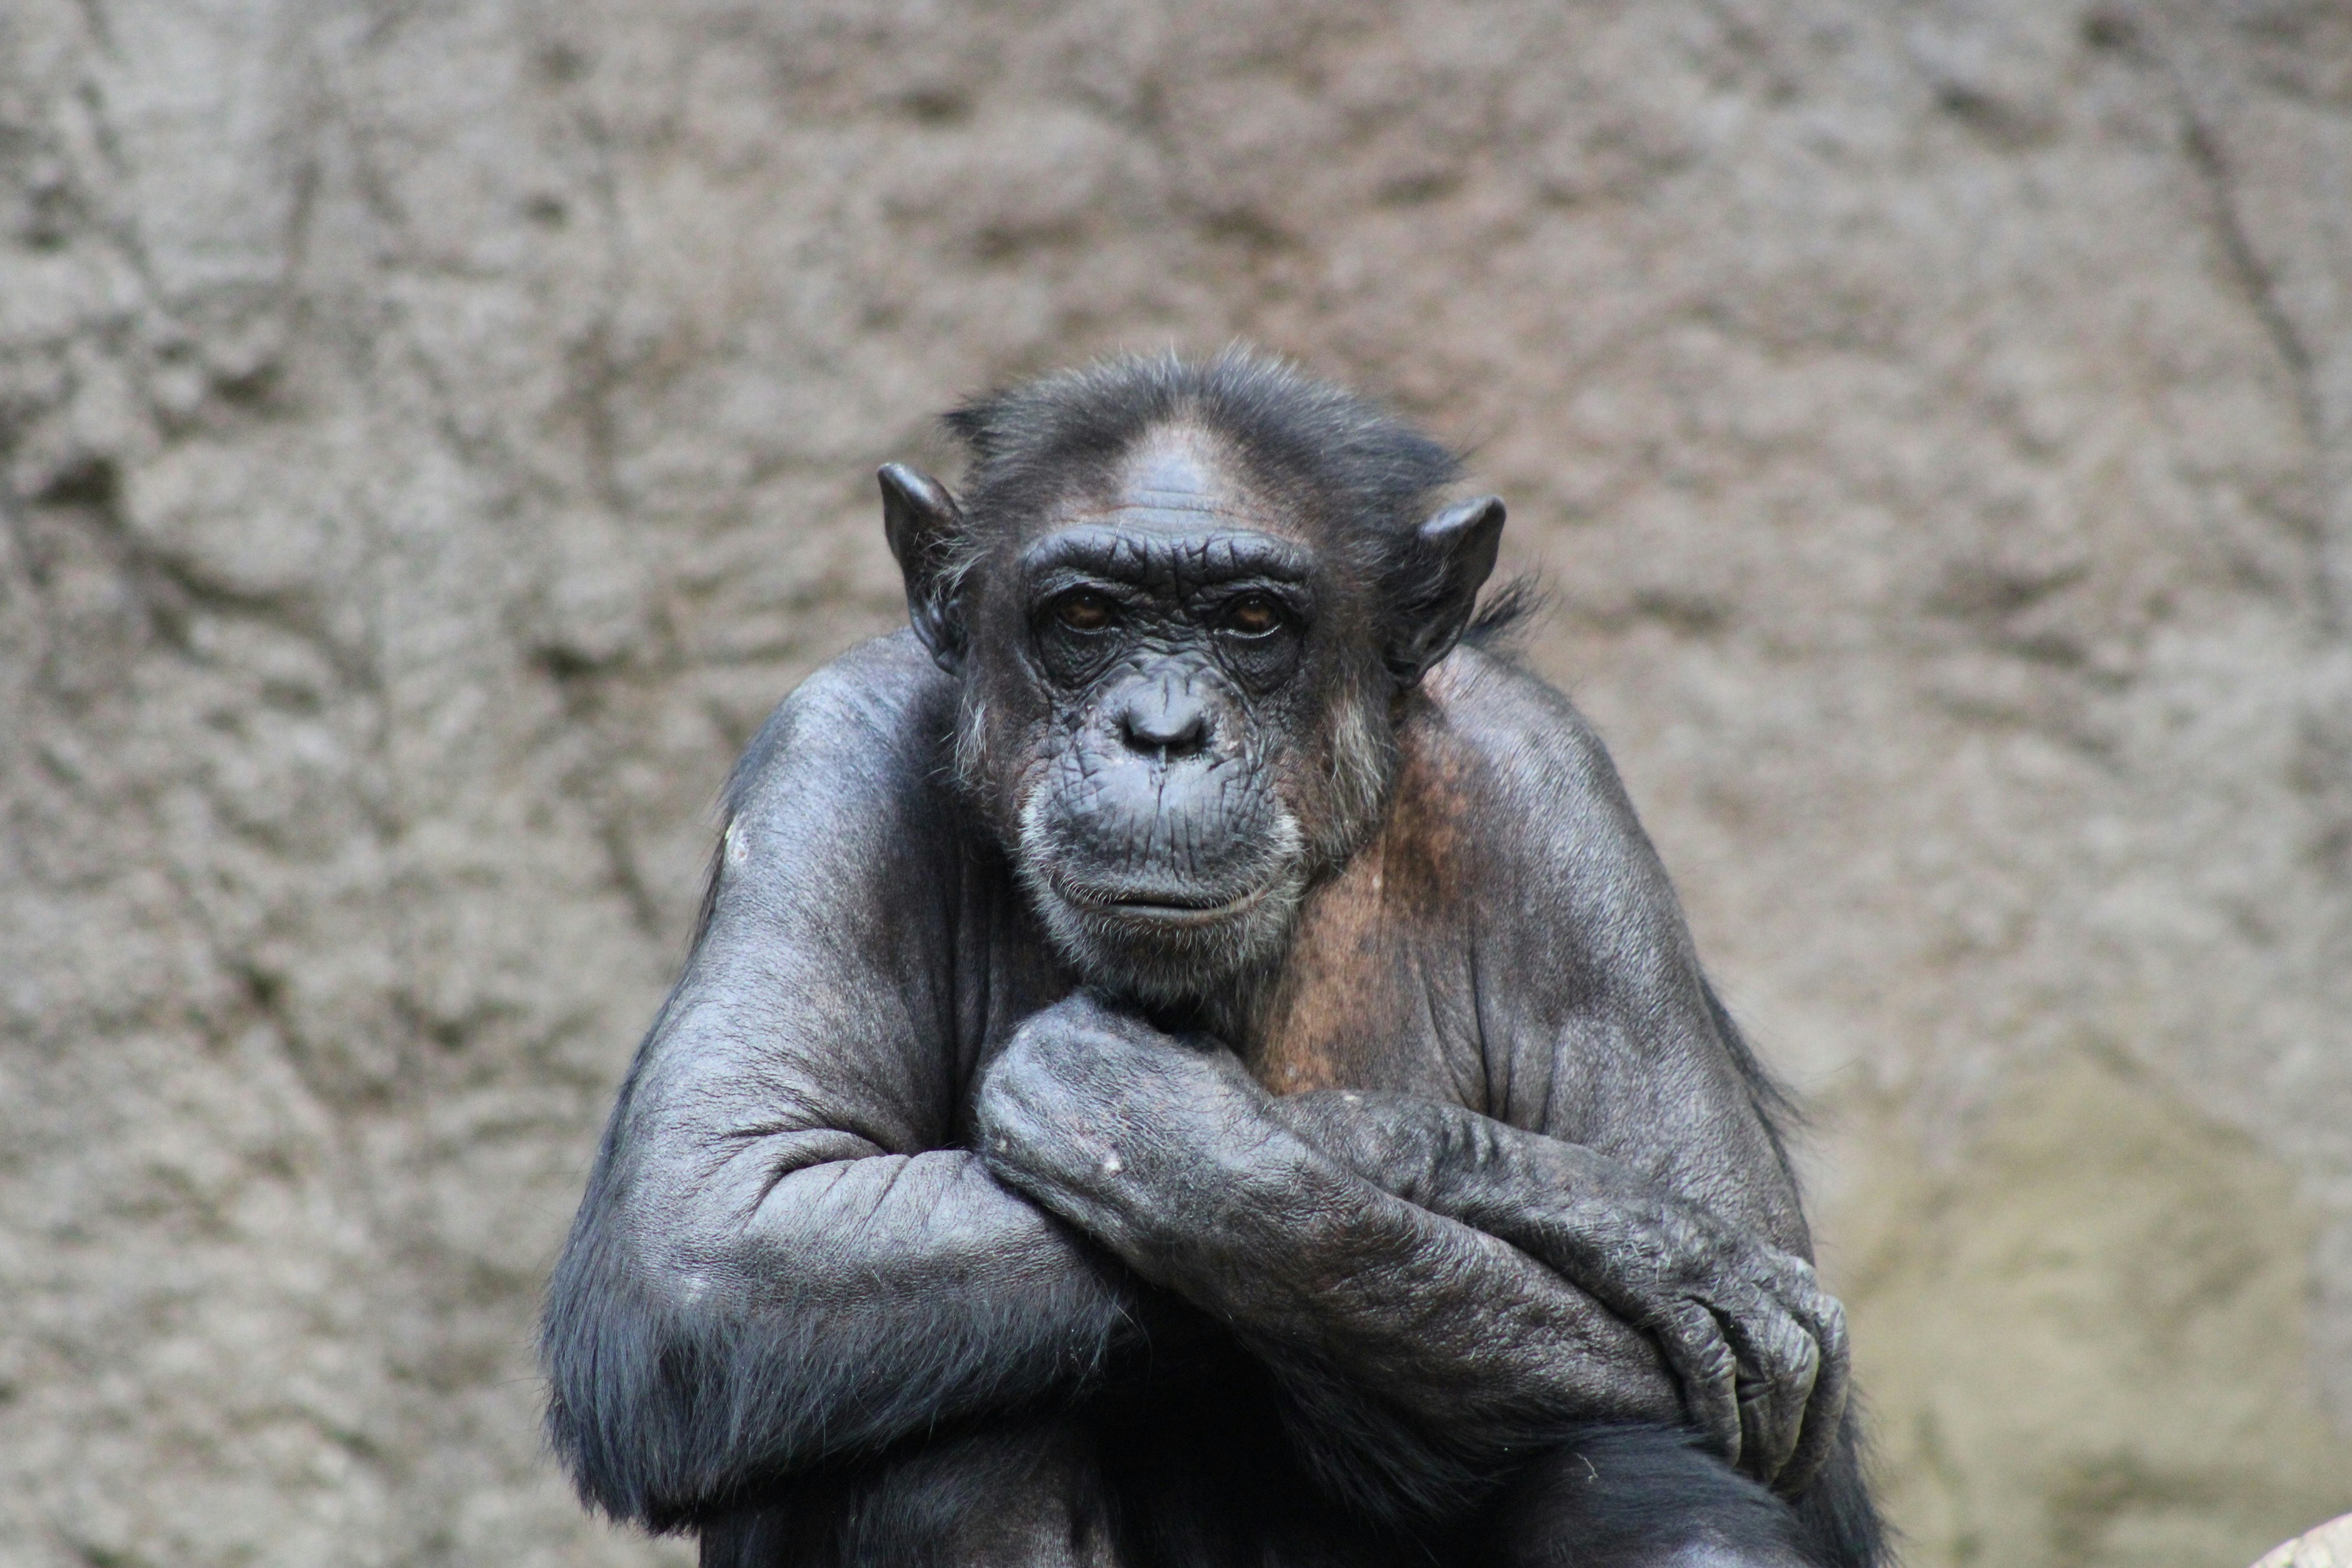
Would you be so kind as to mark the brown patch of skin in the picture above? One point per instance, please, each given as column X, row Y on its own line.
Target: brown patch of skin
column 1378, row 990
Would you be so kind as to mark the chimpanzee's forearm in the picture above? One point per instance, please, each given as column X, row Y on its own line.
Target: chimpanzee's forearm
column 1445, row 1156
column 1294, row 1251
column 1760, row 1348
column 1426, row 1350
column 824, row 1312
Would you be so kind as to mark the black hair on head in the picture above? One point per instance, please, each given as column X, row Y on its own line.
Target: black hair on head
column 1371, row 476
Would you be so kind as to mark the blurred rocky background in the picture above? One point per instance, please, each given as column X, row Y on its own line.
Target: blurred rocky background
column 433, row 433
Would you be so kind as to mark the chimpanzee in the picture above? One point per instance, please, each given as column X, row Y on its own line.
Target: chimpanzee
column 1188, row 1060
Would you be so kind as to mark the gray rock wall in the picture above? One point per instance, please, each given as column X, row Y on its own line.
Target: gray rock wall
column 433, row 433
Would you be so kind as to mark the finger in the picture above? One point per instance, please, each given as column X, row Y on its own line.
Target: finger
column 1778, row 1366
column 1824, row 1416
column 1792, row 1283
column 1703, row 1363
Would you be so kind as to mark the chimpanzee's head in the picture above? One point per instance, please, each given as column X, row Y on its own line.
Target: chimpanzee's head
column 1183, row 600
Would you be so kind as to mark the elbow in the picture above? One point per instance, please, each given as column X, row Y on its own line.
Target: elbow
column 629, row 1399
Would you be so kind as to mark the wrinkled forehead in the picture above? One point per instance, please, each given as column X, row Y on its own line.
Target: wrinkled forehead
column 1177, row 510
column 1178, row 479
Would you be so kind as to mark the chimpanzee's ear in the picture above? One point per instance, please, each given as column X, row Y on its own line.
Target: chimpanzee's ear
column 1453, row 554
column 925, row 525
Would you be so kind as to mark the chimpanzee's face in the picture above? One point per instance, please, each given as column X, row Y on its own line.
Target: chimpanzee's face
column 1175, row 716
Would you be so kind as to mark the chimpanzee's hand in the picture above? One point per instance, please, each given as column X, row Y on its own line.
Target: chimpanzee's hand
column 1115, row 1125
column 1759, row 1349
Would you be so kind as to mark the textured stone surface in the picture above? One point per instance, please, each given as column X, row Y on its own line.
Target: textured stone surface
column 432, row 435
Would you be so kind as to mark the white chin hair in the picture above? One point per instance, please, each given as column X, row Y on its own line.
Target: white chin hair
column 1168, row 958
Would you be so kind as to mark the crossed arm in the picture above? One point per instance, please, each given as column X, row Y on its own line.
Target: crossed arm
column 1757, row 1348
column 1443, row 1293
column 1435, row 1284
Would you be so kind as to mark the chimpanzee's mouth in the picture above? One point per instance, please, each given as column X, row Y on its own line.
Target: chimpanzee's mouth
column 1159, row 907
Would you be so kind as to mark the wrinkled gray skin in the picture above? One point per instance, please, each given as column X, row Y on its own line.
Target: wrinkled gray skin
column 887, row 1166
column 1103, row 1120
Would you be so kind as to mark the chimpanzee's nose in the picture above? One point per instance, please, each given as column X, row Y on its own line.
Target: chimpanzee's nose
column 1164, row 717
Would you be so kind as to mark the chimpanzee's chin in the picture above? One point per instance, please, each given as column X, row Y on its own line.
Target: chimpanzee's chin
column 1179, row 911
column 1165, row 953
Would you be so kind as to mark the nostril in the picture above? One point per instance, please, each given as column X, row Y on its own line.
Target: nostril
column 1165, row 729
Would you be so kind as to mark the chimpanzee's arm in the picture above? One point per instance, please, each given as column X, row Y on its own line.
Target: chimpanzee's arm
column 1429, row 1356
column 1759, row 1347
column 1631, row 1144
column 777, row 1259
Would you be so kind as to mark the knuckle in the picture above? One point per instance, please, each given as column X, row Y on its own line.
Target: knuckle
column 1033, row 1037
column 1708, row 1348
column 1834, row 1326
column 1022, row 1073
column 1795, row 1370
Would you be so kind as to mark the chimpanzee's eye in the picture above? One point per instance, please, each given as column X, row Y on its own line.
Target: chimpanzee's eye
column 1253, row 616
column 1083, row 612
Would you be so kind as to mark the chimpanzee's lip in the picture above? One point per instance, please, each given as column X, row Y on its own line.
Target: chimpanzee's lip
column 1158, row 908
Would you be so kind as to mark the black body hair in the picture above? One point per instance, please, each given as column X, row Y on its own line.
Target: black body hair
column 1637, row 1496
column 1368, row 477
column 1780, row 1110
column 1504, row 614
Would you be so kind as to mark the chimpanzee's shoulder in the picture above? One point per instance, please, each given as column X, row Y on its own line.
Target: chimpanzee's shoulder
column 1529, row 739
column 874, row 724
